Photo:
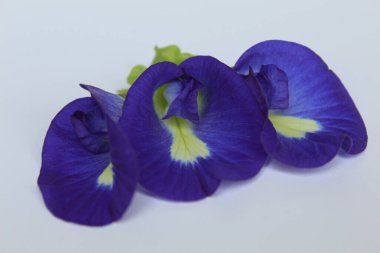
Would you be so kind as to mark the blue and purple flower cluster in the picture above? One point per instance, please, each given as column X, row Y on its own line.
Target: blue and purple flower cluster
column 189, row 122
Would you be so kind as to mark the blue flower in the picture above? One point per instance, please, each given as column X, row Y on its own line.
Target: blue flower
column 182, row 129
column 311, row 115
column 192, row 126
column 89, row 171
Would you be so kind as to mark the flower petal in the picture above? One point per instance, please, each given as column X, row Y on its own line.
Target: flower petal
column 321, row 116
column 275, row 82
column 109, row 103
column 184, row 160
column 135, row 73
column 230, row 121
column 152, row 140
column 82, row 186
column 261, row 91
column 184, row 104
column 97, row 141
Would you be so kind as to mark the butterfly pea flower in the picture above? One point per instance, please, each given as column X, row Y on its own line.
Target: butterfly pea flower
column 89, row 171
column 311, row 115
column 192, row 126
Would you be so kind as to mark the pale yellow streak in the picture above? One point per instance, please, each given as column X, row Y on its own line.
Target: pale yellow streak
column 186, row 147
column 293, row 127
column 106, row 178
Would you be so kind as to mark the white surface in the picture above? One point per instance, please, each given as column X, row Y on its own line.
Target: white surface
column 48, row 47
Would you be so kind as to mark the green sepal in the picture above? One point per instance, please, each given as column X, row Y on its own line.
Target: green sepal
column 122, row 92
column 170, row 53
column 135, row 73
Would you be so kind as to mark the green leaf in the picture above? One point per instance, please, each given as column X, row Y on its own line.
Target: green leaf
column 135, row 73
column 170, row 53
column 122, row 92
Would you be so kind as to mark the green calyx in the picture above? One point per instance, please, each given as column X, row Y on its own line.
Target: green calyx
column 171, row 53
column 122, row 92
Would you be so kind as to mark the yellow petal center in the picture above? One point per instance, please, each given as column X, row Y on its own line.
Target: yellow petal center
column 186, row 147
column 293, row 127
column 106, row 178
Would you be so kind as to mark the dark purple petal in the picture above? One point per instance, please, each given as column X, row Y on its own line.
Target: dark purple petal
column 321, row 117
column 109, row 103
column 95, row 142
column 185, row 104
column 184, row 160
column 77, row 184
column 152, row 140
column 275, row 83
column 230, row 122
column 260, row 91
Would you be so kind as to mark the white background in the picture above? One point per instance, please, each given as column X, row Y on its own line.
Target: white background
column 48, row 47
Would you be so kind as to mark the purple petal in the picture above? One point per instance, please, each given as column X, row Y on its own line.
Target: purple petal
column 231, row 120
column 275, row 82
column 260, row 91
column 223, row 144
column 77, row 184
column 95, row 142
column 152, row 141
column 321, row 117
column 109, row 103
column 185, row 104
